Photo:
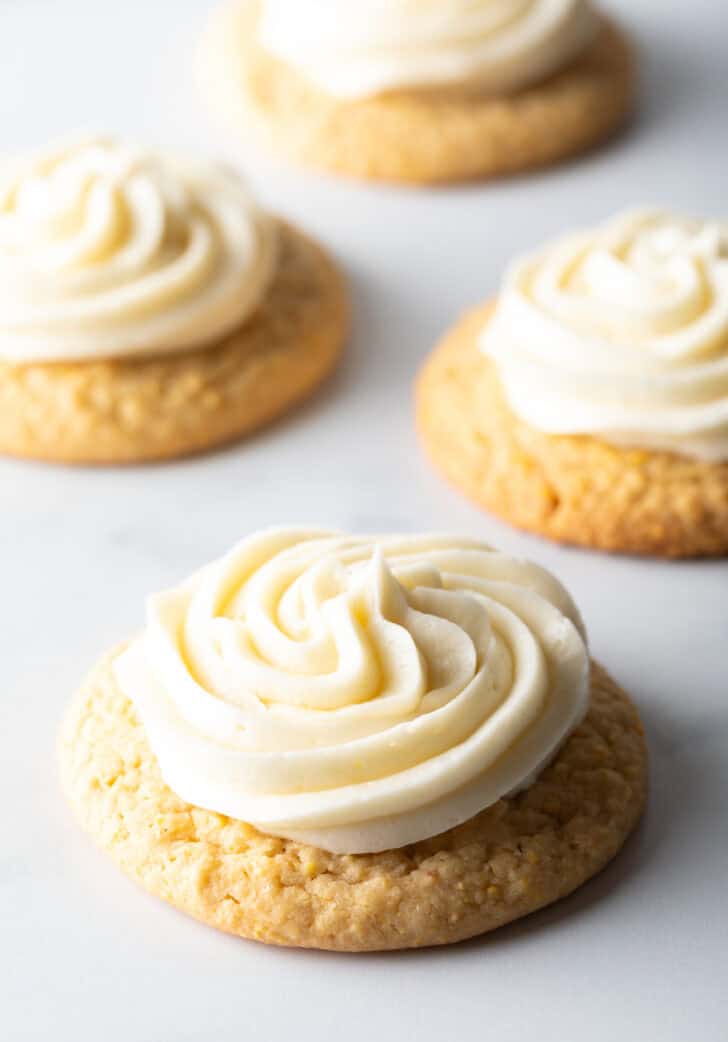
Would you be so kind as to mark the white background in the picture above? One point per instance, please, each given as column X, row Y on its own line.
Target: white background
column 638, row 954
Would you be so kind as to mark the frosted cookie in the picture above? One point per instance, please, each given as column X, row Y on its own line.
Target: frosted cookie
column 357, row 743
column 148, row 307
column 590, row 404
column 419, row 92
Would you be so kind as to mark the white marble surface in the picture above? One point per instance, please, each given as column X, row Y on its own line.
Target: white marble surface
column 638, row 954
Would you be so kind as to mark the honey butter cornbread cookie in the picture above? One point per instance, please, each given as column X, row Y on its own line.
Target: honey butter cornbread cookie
column 590, row 402
column 419, row 92
column 354, row 743
column 148, row 307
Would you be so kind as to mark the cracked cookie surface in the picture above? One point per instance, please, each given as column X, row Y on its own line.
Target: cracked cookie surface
column 131, row 410
column 513, row 858
column 427, row 136
column 572, row 489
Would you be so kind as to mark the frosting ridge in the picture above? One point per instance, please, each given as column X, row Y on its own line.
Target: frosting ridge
column 109, row 250
column 363, row 47
column 621, row 332
column 357, row 693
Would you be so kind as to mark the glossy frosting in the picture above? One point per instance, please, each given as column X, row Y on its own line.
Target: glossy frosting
column 109, row 250
column 357, row 693
column 622, row 332
column 356, row 48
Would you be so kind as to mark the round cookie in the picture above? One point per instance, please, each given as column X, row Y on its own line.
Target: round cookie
column 513, row 858
column 131, row 410
column 575, row 489
column 420, row 136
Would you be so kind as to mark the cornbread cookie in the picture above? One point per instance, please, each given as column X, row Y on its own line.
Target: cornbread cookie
column 126, row 410
column 418, row 135
column 513, row 858
column 149, row 308
column 575, row 489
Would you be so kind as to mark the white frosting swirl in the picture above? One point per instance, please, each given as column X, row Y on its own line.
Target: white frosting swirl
column 355, row 693
column 108, row 250
column 357, row 48
column 621, row 332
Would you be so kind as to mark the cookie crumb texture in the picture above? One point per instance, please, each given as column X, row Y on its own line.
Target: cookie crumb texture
column 573, row 489
column 152, row 408
column 441, row 136
column 517, row 856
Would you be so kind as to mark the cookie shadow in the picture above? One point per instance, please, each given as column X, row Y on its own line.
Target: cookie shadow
column 671, row 88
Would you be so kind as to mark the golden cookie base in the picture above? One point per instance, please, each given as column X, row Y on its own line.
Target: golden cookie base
column 127, row 411
column 572, row 489
column 517, row 856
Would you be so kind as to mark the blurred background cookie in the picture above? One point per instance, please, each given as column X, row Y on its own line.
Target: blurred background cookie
column 148, row 307
column 420, row 93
